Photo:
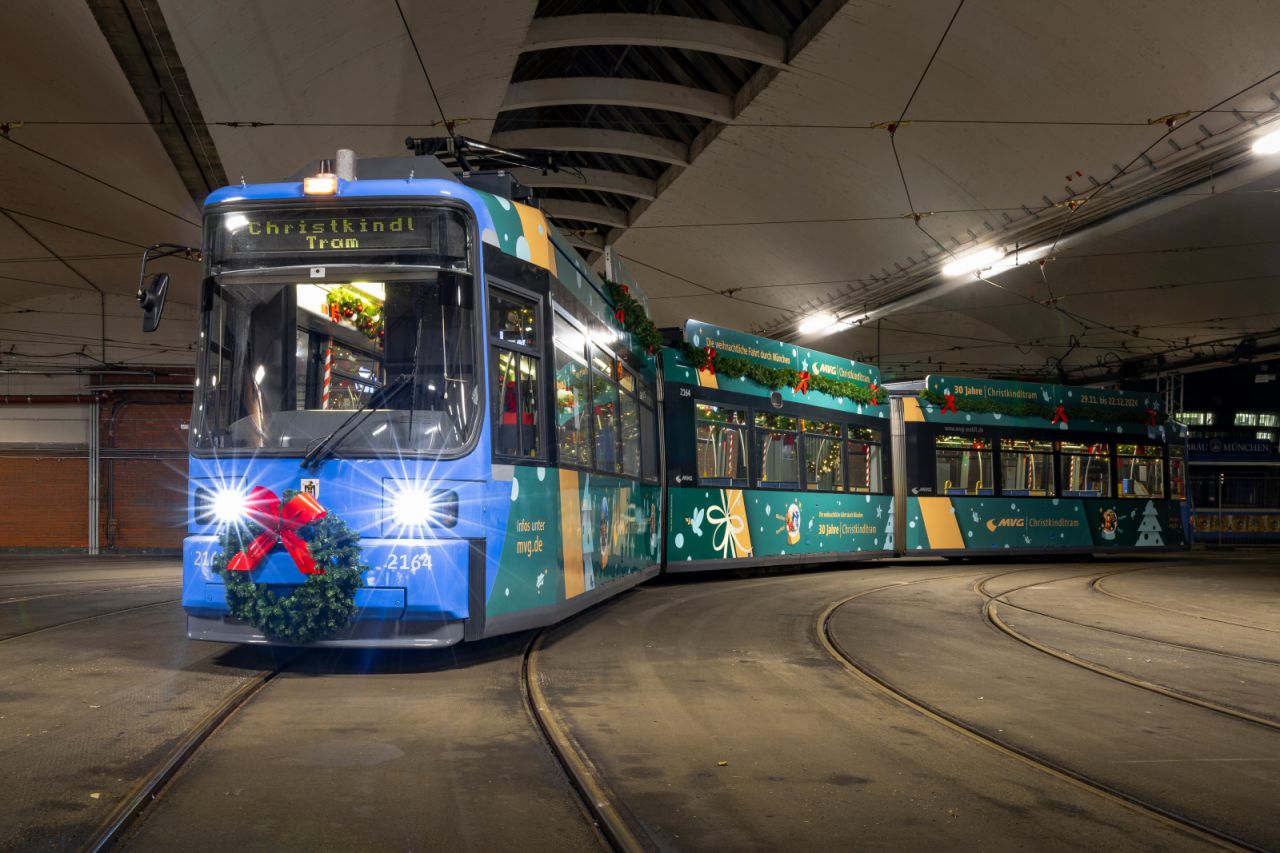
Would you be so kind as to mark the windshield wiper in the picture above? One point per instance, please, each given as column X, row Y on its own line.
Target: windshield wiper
column 324, row 448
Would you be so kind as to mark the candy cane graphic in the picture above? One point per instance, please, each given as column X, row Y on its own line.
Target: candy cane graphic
column 328, row 377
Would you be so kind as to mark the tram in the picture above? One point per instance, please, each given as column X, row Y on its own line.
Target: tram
column 434, row 365
column 759, row 475
column 423, row 364
column 988, row 467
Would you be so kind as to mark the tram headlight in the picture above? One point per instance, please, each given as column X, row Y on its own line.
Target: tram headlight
column 411, row 504
column 227, row 504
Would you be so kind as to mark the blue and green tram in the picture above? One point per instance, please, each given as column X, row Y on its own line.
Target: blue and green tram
column 775, row 454
column 434, row 365
column 993, row 467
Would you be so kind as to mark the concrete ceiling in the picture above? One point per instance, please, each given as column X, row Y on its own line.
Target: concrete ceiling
column 752, row 163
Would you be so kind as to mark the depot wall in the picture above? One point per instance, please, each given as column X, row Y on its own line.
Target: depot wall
column 46, row 461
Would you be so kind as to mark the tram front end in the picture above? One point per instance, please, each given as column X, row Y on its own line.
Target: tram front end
column 338, row 434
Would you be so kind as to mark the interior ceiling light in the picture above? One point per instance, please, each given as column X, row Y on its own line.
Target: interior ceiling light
column 821, row 324
column 1269, row 144
column 973, row 262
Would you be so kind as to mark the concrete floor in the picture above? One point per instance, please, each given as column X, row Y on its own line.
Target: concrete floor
column 710, row 708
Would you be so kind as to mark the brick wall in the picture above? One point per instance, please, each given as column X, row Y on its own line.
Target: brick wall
column 144, row 500
column 45, row 503
column 44, row 499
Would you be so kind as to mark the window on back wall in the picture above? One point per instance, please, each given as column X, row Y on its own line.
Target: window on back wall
column 517, row 368
column 1266, row 435
column 1247, row 419
column 1195, row 418
column 1268, row 419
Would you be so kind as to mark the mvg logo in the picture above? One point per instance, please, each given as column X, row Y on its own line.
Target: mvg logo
column 993, row 525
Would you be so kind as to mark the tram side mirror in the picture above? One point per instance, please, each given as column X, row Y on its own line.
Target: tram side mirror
column 151, row 298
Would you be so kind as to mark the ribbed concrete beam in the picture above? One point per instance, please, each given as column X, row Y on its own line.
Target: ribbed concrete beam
column 598, row 180
column 658, row 31
column 588, row 242
column 594, row 139
column 619, row 92
column 584, row 211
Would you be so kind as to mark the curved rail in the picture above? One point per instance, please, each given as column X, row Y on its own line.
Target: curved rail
column 1096, row 586
column 980, row 589
column 594, row 795
column 990, row 612
column 112, row 828
column 87, row 619
column 1061, row 772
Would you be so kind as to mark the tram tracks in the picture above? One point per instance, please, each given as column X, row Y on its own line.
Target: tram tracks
column 596, row 799
column 117, row 822
column 1004, row 746
column 90, row 618
column 991, row 614
column 1096, row 586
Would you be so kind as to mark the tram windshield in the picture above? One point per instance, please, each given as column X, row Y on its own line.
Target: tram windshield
column 285, row 364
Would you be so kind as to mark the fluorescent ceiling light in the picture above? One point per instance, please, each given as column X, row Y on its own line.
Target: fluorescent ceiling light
column 820, row 324
column 973, row 262
column 1269, row 144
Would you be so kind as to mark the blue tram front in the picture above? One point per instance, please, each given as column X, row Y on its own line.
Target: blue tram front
column 402, row 349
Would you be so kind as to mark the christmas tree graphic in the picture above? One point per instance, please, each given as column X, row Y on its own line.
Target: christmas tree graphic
column 1149, row 531
column 888, row 531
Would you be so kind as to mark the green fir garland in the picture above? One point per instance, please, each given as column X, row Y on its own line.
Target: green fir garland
column 317, row 609
column 631, row 316
column 780, row 377
column 1041, row 409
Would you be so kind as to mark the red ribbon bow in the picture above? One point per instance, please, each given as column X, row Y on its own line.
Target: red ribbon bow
column 875, row 394
column 1060, row 415
column 620, row 316
column 281, row 525
column 802, row 387
column 711, row 361
column 1152, row 417
column 950, row 404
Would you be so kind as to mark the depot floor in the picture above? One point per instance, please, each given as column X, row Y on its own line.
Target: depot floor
column 1074, row 705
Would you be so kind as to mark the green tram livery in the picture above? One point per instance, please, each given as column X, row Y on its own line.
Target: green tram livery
column 760, row 475
column 988, row 467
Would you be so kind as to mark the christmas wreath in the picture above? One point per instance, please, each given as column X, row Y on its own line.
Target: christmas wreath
column 323, row 547
column 344, row 304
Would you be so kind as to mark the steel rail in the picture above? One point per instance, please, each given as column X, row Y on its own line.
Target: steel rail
column 1061, row 772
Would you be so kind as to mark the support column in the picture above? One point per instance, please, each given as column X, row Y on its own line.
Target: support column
column 95, row 461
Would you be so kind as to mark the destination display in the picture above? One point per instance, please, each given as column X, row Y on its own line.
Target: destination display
column 313, row 234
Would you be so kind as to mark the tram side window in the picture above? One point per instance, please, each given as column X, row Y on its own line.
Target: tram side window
column 604, row 401
column 630, row 421
column 648, row 436
column 513, row 338
column 1085, row 469
column 865, row 460
column 1026, row 467
column 1177, row 474
column 964, row 466
column 1140, row 470
column 823, row 455
column 777, row 460
column 721, row 435
column 572, row 430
